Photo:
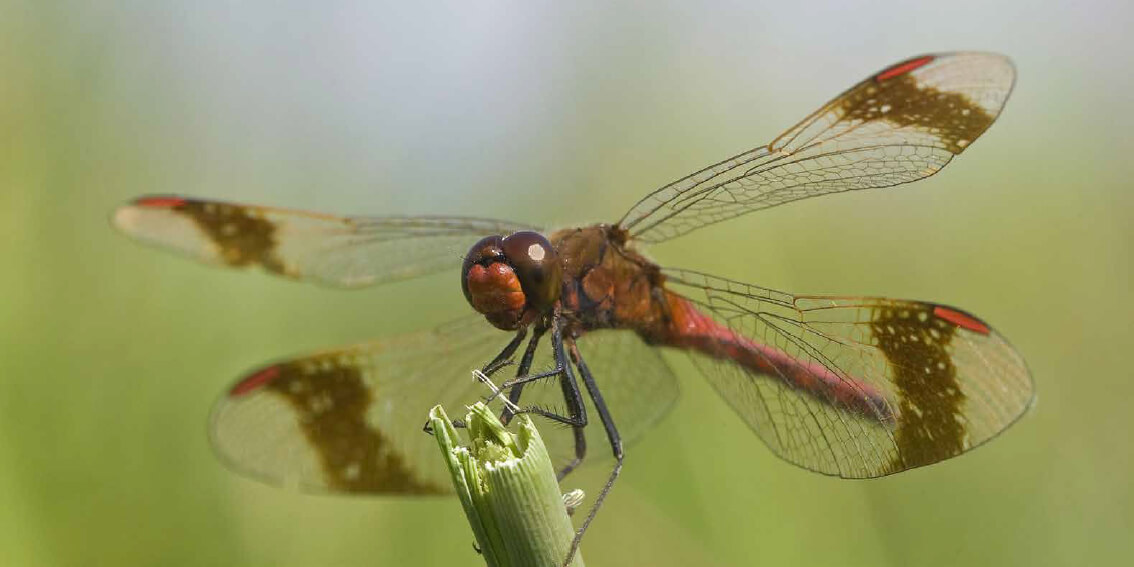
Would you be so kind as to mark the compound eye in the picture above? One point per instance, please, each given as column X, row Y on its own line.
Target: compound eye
column 536, row 265
column 487, row 249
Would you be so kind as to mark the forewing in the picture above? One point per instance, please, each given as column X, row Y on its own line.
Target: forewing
column 341, row 251
column 899, row 125
column 946, row 381
column 350, row 419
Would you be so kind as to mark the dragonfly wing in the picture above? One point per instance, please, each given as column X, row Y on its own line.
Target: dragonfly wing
column 937, row 380
column 343, row 251
column 901, row 124
column 350, row 419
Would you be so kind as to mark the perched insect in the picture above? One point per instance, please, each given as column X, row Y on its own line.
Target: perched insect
column 849, row 386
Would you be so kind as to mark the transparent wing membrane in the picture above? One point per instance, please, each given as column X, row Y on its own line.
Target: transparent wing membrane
column 901, row 124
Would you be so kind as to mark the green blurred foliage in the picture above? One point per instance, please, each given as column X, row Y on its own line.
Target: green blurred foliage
column 111, row 353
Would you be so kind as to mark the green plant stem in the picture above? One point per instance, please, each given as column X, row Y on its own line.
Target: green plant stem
column 508, row 489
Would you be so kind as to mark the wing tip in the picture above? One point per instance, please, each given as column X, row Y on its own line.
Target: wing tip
column 914, row 63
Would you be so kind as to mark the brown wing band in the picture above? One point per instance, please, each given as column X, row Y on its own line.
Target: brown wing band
column 901, row 101
column 243, row 238
column 931, row 425
column 331, row 401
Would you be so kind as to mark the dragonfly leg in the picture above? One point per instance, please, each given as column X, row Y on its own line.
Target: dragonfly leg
column 580, row 454
column 522, row 377
column 574, row 421
column 577, row 411
column 500, row 361
column 521, row 380
column 615, row 446
column 457, row 424
column 505, row 357
column 575, row 406
column 525, row 366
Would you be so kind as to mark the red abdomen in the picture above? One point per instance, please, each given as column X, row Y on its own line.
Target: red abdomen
column 689, row 328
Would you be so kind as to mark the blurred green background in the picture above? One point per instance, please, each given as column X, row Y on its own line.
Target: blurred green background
column 111, row 354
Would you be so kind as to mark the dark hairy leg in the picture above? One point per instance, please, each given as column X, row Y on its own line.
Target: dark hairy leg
column 576, row 410
column 615, row 446
column 505, row 356
column 522, row 370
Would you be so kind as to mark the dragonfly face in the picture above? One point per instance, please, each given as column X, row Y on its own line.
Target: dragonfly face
column 847, row 386
column 512, row 279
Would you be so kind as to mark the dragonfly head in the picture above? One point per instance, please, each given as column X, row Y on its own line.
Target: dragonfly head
column 512, row 279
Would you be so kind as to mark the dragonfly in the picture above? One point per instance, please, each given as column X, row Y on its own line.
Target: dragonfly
column 854, row 387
